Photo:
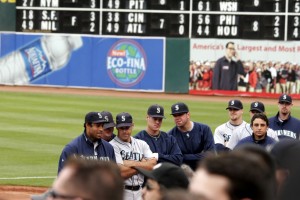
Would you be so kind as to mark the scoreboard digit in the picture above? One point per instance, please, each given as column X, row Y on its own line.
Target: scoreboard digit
column 251, row 19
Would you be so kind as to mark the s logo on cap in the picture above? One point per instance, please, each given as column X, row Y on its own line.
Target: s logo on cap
column 255, row 104
column 284, row 97
column 232, row 102
column 123, row 118
column 176, row 107
column 158, row 110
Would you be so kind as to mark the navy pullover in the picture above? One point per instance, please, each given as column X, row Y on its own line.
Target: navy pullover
column 250, row 139
column 165, row 145
column 289, row 128
column 83, row 147
column 195, row 143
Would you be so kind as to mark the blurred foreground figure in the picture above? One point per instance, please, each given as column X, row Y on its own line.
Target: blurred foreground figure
column 232, row 176
column 163, row 177
column 286, row 155
column 86, row 179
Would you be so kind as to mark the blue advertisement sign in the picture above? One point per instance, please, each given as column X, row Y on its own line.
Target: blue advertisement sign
column 79, row 61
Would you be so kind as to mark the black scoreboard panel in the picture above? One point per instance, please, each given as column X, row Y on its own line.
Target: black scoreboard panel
column 57, row 21
column 245, row 19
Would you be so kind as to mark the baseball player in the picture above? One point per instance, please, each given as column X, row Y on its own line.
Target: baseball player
column 259, row 125
column 283, row 123
column 89, row 144
column 164, row 145
column 194, row 139
column 131, row 152
column 108, row 127
column 255, row 107
column 224, row 132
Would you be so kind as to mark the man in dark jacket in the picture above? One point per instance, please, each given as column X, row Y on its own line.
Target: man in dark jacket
column 259, row 124
column 283, row 123
column 195, row 139
column 163, row 145
column 89, row 144
column 226, row 70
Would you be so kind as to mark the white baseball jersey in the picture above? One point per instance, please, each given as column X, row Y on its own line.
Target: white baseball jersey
column 245, row 132
column 224, row 132
column 136, row 150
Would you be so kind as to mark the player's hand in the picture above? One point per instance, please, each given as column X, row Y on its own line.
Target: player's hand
column 129, row 163
column 152, row 161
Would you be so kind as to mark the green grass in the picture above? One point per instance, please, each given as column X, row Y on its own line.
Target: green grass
column 35, row 127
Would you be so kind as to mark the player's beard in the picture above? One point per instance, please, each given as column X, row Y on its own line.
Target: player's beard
column 285, row 111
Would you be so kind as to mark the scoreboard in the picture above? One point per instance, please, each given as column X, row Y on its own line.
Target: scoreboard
column 240, row 19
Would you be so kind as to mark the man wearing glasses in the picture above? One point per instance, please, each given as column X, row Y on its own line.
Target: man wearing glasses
column 255, row 107
column 194, row 139
column 226, row 70
column 131, row 152
column 283, row 123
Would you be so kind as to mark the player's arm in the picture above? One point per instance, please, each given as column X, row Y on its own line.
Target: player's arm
column 218, row 137
column 65, row 154
column 127, row 168
column 145, row 164
column 127, row 172
column 175, row 156
column 209, row 146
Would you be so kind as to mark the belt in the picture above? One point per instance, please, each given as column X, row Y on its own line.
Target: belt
column 132, row 187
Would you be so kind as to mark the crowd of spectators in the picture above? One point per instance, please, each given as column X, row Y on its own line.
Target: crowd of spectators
column 261, row 76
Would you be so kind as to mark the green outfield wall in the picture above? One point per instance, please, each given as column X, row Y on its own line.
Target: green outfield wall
column 177, row 65
column 7, row 15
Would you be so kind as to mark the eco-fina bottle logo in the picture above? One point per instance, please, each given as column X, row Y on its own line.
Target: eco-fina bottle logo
column 126, row 63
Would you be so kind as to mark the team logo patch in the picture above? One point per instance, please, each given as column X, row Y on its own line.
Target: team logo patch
column 126, row 63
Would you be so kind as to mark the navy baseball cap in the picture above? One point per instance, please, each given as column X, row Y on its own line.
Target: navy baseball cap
column 257, row 106
column 109, row 119
column 123, row 119
column 285, row 98
column 178, row 108
column 156, row 111
column 94, row 117
column 167, row 174
column 235, row 104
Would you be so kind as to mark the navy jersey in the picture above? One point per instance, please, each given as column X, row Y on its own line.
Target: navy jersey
column 226, row 74
column 83, row 147
column 195, row 143
column 267, row 141
column 289, row 128
column 165, row 145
